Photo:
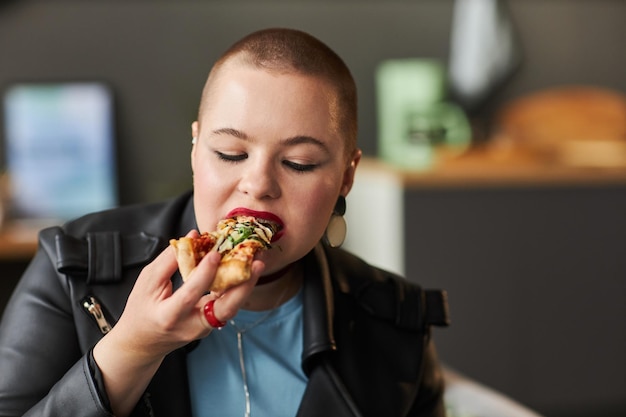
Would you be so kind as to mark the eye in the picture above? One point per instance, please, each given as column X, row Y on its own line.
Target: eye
column 231, row 157
column 300, row 167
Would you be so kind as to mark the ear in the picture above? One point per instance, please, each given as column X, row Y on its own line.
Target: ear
column 194, row 129
column 194, row 135
column 348, row 175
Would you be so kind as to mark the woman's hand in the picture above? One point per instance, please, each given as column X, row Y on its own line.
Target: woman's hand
column 157, row 320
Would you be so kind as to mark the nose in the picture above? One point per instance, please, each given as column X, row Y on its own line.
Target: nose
column 260, row 181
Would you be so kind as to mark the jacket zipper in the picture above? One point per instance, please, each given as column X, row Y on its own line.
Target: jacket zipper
column 93, row 308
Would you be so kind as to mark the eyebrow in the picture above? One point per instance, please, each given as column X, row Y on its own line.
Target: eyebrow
column 291, row 141
column 303, row 139
column 230, row 132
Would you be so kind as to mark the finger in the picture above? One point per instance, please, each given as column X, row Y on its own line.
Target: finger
column 199, row 281
column 160, row 270
column 257, row 269
column 193, row 233
column 204, row 273
column 166, row 260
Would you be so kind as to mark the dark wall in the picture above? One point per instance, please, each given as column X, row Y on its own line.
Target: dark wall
column 156, row 54
column 535, row 279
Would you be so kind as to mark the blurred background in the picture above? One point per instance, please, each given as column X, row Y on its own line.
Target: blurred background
column 535, row 269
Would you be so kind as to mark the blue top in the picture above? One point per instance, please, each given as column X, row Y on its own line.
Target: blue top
column 272, row 354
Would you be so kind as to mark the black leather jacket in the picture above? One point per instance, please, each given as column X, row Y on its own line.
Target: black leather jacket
column 367, row 348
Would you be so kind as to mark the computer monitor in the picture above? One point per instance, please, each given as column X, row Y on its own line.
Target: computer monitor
column 59, row 148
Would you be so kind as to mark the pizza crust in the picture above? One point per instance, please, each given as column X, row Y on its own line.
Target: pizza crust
column 184, row 255
column 230, row 273
column 236, row 265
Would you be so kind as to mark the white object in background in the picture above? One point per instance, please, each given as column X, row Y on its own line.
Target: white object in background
column 465, row 397
column 483, row 49
column 380, row 241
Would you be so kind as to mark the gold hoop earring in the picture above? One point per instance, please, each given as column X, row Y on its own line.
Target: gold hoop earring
column 337, row 228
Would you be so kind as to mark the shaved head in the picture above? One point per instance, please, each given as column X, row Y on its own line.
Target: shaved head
column 292, row 51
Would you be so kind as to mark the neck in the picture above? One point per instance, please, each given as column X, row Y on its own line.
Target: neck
column 284, row 285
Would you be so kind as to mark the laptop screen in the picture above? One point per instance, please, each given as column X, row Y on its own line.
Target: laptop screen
column 59, row 149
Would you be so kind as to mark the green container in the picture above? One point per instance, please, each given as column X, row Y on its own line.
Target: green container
column 413, row 117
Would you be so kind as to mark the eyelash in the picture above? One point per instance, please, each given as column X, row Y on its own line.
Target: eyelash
column 231, row 158
column 300, row 168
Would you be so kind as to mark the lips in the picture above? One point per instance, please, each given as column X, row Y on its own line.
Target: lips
column 271, row 219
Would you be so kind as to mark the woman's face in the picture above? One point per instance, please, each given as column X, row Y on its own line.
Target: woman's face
column 267, row 145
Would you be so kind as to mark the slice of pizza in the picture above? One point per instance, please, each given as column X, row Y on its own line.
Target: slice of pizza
column 236, row 239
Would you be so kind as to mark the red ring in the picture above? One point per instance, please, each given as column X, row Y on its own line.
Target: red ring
column 209, row 314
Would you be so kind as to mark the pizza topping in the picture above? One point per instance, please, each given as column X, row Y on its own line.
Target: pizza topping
column 232, row 232
column 236, row 239
column 202, row 245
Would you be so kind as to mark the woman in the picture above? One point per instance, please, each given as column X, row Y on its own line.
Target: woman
column 101, row 324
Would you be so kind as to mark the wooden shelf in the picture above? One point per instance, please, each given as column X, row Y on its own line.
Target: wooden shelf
column 487, row 169
column 18, row 242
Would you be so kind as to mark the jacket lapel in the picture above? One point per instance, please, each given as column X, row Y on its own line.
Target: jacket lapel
column 318, row 337
column 325, row 394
